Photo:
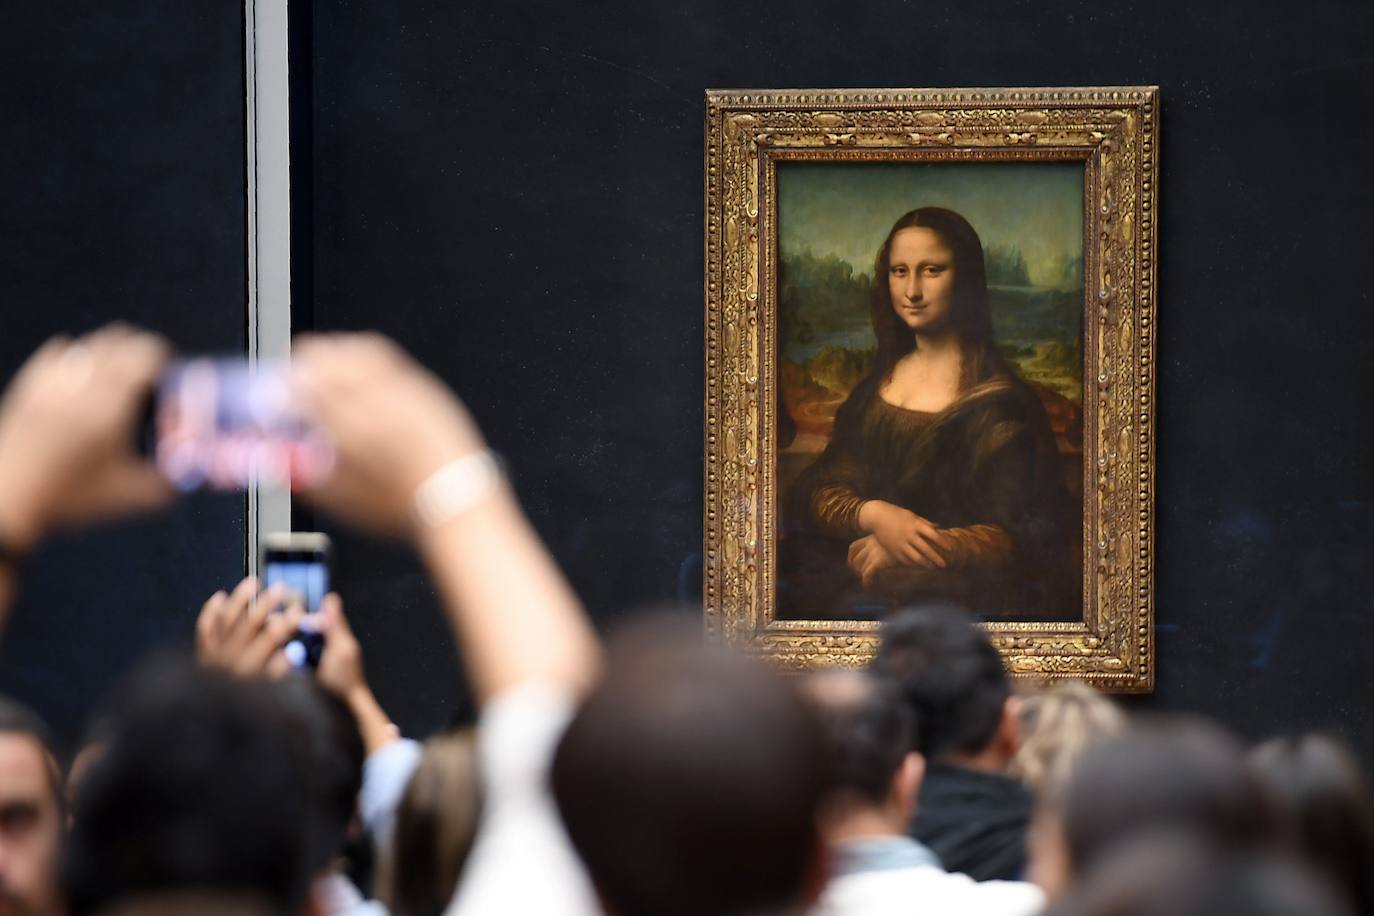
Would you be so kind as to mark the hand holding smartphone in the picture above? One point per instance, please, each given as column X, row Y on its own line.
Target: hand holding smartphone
column 301, row 561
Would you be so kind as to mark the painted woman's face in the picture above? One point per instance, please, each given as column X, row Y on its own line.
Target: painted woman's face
column 920, row 279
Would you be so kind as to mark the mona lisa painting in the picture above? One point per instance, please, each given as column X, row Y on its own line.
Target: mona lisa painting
column 930, row 372
column 925, row 390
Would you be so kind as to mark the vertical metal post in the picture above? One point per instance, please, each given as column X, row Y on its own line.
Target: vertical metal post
column 268, row 177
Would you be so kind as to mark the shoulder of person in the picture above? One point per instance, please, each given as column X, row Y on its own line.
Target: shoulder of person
column 517, row 734
column 893, row 890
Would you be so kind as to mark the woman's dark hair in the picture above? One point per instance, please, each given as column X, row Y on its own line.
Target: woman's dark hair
column 1328, row 806
column 971, row 314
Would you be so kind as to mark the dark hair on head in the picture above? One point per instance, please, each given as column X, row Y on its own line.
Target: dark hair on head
column 950, row 676
column 199, row 790
column 18, row 719
column 690, row 779
column 436, row 824
column 970, row 311
column 1327, row 806
column 1168, row 774
column 1173, row 873
column 325, row 735
column 868, row 729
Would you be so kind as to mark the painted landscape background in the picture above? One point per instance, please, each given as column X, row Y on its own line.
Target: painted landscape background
column 833, row 217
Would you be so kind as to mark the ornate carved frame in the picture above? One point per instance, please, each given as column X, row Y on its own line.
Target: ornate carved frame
column 1114, row 132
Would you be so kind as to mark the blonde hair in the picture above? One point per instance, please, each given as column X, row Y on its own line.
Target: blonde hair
column 1057, row 724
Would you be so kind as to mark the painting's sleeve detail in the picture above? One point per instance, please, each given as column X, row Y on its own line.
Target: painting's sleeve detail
column 979, row 547
column 836, row 506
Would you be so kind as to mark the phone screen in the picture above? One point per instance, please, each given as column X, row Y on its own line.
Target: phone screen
column 225, row 424
column 307, row 580
column 305, row 573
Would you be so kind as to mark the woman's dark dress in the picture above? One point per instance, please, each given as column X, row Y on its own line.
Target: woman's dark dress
column 987, row 459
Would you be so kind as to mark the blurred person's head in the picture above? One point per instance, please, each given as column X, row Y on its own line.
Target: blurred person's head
column 435, row 826
column 1327, row 806
column 1174, row 873
column 198, row 795
column 187, row 902
column 874, row 775
column 92, row 748
column 80, row 767
column 954, row 682
column 690, row 779
column 31, row 813
column 1057, row 724
column 1177, row 775
column 325, row 735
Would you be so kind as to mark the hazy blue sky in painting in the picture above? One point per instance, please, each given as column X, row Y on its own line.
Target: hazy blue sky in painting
column 846, row 209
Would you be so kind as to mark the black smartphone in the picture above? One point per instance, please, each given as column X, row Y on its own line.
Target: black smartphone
column 227, row 424
column 301, row 560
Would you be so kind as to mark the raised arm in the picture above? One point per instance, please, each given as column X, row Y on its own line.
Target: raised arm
column 67, row 440
column 412, row 462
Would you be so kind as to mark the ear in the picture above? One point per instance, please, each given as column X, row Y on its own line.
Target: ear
column 1050, row 865
column 817, row 873
column 906, row 785
column 1009, row 729
column 606, row 907
column 311, row 906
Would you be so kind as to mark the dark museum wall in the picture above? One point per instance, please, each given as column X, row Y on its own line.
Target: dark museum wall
column 121, row 196
column 515, row 192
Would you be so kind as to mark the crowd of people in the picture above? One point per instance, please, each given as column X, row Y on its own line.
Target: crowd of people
column 647, row 775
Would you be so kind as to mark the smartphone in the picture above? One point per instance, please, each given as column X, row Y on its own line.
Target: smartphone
column 300, row 559
column 228, row 424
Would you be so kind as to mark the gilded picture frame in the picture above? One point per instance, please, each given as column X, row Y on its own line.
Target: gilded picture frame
column 1109, row 136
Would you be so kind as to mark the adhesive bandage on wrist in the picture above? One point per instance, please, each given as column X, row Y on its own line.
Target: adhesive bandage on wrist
column 456, row 487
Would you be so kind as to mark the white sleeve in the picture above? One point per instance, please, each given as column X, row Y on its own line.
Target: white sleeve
column 1002, row 898
column 521, row 860
column 386, row 774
